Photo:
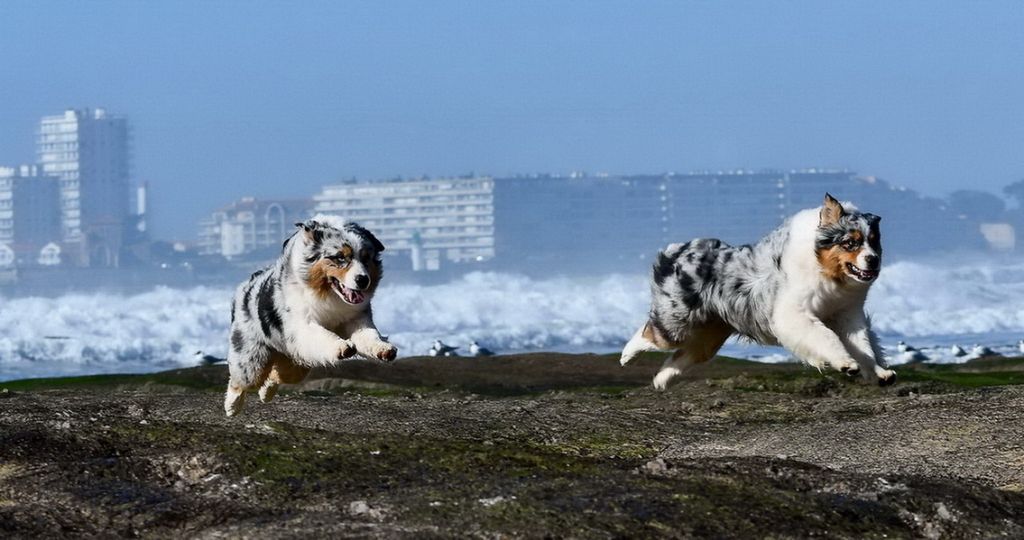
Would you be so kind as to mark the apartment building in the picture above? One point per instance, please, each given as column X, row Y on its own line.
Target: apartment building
column 430, row 222
column 250, row 225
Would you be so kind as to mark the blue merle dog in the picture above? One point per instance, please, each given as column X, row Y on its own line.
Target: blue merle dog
column 310, row 308
column 803, row 287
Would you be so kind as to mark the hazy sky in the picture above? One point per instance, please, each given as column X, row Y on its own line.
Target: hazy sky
column 276, row 99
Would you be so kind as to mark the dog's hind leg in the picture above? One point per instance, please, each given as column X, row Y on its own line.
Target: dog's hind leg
column 248, row 368
column 284, row 371
column 700, row 346
column 644, row 340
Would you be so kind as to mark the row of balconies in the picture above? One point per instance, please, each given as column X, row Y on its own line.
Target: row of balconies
column 411, row 187
column 350, row 194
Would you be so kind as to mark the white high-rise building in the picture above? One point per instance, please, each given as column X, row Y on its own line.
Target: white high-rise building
column 427, row 220
column 88, row 150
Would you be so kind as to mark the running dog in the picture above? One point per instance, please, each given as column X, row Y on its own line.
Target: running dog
column 311, row 308
column 803, row 287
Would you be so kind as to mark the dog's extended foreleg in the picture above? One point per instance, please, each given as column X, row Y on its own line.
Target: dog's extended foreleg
column 367, row 340
column 310, row 344
column 812, row 341
column 854, row 329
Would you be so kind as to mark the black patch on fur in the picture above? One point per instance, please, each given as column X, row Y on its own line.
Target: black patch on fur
column 362, row 232
column 829, row 236
column 269, row 317
column 247, row 296
column 778, row 261
column 876, row 231
column 690, row 296
column 706, row 267
column 663, row 267
column 737, row 286
column 660, row 328
column 237, row 340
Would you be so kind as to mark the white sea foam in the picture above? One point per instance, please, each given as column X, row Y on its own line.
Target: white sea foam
column 929, row 305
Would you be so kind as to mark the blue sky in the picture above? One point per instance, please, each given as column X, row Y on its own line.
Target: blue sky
column 276, row 99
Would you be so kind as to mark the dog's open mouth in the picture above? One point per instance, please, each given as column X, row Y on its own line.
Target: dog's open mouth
column 350, row 296
column 860, row 274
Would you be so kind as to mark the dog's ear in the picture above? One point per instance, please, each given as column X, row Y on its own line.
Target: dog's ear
column 831, row 211
column 373, row 240
column 312, row 229
column 367, row 235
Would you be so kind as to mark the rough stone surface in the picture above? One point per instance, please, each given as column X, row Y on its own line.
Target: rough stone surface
column 535, row 445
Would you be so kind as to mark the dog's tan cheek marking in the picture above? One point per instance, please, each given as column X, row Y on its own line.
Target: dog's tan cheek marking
column 319, row 275
column 833, row 262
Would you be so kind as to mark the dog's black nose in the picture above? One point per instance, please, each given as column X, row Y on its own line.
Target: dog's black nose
column 362, row 280
column 872, row 261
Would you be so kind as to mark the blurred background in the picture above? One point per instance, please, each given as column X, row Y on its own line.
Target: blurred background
column 522, row 162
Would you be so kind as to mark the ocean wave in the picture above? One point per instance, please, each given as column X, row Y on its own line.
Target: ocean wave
column 933, row 304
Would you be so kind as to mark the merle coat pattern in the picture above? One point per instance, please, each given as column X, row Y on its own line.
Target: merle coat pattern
column 803, row 286
column 310, row 308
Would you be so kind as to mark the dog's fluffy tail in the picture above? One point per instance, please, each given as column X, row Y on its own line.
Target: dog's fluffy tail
column 637, row 344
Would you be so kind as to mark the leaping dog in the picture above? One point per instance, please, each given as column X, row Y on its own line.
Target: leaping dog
column 803, row 287
column 310, row 308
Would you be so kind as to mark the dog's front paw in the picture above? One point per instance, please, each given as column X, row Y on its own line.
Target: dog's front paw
column 385, row 351
column 848, row 366
column 346, row 349
column 664, row 377
column 886, row 377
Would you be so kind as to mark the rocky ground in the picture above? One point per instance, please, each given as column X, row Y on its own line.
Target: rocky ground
column 530, row 445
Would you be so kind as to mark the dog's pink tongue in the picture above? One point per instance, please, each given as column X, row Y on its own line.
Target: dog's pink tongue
column 354, row 297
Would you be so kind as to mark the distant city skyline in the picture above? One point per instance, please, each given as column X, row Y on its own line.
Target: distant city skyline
column 276, row 100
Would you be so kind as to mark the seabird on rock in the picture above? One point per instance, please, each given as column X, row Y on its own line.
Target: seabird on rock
column 912, row 356
column 981, row 351
column 903, row 347
column 444, row 350
column 208, row 360
column 476, row 350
